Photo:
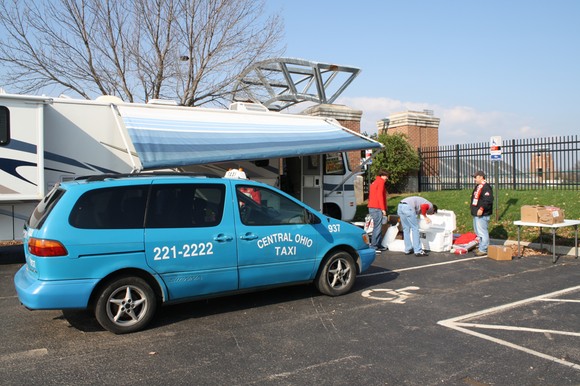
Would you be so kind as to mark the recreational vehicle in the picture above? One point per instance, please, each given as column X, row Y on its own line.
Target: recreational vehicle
column 45, row 141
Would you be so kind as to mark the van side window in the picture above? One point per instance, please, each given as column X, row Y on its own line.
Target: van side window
column 4, row 125
column 110, row 208
column 262, row 206
column 186, row 205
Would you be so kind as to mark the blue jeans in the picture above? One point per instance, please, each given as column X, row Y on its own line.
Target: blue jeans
column 377, row 216
column 480, row 226
column 410, row 228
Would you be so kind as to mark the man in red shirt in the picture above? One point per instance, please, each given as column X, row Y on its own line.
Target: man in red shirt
column 378, row 207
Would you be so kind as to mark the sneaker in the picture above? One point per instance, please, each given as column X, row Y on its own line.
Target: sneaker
column 422, row 253
column 477, row 252
column 380, row 249
column 409, row 253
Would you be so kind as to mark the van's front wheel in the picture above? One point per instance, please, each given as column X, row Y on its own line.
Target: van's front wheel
column 125, row 305
column 337, row 274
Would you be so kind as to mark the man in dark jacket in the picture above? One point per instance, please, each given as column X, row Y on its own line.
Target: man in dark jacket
column 481, row 210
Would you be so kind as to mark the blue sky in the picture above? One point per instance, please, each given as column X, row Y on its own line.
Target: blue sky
column 486, row 68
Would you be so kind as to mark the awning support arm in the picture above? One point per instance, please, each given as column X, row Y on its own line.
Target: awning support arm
column 116, row 115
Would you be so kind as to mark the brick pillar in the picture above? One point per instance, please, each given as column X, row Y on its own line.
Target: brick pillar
column 346, row 116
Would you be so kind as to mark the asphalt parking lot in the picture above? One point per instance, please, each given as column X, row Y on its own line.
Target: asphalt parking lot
column 437, row 320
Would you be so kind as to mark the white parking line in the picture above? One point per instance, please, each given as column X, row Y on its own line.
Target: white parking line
column 457, row 324
column 513, row 328
column 421, row 266
column 24, row 355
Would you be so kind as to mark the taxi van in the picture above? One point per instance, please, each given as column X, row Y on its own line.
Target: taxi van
column 121, row 245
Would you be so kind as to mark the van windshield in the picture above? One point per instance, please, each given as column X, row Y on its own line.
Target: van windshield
column 44, row 207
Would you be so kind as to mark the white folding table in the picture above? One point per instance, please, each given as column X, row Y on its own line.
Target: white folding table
column 553, row 227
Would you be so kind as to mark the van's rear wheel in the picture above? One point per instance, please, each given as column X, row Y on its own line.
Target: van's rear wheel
column 337, row 274
column 125, row 305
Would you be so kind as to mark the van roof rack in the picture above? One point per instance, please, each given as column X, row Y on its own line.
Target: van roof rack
column 102, row 177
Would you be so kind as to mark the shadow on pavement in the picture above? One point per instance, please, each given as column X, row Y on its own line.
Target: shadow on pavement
column 12, row 254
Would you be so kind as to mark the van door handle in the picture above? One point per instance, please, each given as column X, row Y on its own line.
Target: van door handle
column 222, row 238
column 249, row 236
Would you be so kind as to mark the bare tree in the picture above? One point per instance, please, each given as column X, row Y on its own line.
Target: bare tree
column 192, row 50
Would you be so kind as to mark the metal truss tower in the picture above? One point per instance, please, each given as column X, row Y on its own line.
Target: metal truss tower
column 283, row 82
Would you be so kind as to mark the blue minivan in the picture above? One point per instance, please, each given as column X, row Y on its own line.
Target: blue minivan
column 121, row 245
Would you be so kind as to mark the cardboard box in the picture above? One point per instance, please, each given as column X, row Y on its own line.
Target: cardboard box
column 499, row 252
column 529, row 213
column 551, row 215
column 542, row 214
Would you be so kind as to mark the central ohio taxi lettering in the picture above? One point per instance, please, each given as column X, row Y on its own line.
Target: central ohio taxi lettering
column 284, row 250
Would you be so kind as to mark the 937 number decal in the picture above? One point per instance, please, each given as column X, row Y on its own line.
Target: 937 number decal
column 334, row 228
column 186, row 250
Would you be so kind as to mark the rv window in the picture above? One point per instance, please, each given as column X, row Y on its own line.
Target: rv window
column 333, row 163
column 4, row 125
column 262, row 163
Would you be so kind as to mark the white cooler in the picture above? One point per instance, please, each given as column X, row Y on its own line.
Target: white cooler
column 436, row 240
column 438, row 236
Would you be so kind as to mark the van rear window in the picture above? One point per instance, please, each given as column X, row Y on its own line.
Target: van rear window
column 43, row 209
column 110, row 208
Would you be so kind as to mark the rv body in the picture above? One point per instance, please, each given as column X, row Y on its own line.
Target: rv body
column 45, row 141
column 53, row 140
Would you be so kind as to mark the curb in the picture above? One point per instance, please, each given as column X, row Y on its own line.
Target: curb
column 560, row 249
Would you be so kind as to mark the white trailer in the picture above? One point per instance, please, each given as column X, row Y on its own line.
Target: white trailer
column 44, row 141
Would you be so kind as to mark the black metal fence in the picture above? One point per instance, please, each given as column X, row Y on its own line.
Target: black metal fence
column 541, row 163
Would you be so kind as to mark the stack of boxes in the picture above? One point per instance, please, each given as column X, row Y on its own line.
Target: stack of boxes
column 542, row 214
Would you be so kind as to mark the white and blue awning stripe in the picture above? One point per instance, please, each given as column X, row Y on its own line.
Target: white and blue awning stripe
column 173, row 137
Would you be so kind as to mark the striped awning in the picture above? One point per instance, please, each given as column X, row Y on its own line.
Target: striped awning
column 180, row 136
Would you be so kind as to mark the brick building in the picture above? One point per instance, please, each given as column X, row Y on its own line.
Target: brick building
column 421, row 128
column 346, row 116
column 542, row 165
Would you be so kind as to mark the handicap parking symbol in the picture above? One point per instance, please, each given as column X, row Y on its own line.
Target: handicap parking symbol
column 390, row 295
